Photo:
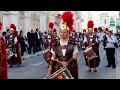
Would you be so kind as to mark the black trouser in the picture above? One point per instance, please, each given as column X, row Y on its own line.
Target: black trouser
column 110, row 56
column 38, row 48
column 22, row 48
column 32, row 44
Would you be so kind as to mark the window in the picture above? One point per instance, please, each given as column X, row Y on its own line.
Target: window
column 112, row 23
column 105, row 21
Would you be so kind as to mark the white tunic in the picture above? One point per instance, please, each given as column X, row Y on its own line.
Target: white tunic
column 15, row 39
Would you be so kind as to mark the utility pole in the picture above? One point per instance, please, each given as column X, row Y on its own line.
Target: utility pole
column 119, row 14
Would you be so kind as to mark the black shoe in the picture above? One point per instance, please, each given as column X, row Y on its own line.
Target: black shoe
column 95, row 70
column 10, row 66
column 113, row 66
column 108, row 66
column 89, row 70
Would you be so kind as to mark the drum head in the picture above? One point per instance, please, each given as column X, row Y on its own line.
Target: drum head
column 88, row 49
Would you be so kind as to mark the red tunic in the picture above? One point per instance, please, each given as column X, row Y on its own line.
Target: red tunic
column 3, row 59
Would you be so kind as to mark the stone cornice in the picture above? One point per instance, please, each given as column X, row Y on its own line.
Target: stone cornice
column 43, row 13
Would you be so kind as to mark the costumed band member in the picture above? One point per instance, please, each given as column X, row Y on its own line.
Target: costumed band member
column 82, row 37
column 75, row 40
column 91, row 40
column 95, row 31
column 48, row 44
column 55, row 38
column 96, row 34
column 14, row 45
column 64, row 52
column 110, row 49
column 48, row 37
column 3, row 57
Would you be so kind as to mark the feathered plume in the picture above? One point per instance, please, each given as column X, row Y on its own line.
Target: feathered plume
column 106, row 29
column 84, row 30
column 1, row 26
column 90, row 24
column 51, row 25
column 68, row 18
column 14, row 27
column 54, row 30
column 95, row 29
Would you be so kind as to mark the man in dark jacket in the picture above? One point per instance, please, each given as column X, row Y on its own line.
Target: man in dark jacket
column 32, row 42
column 37, row 34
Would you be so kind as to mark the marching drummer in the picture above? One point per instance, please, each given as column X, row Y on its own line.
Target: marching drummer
column 48, row 42
column 64, row 53
column 14, row 45
column 91, row 40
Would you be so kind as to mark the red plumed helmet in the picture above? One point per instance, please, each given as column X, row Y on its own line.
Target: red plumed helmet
column 54, row 30
column 67, row 18
column 13, row 27
column 51, row 25
column 90, row 24
column 95, row 29
column 106, row 29
column 1, row 24
column 73, row 31
column 84, row 30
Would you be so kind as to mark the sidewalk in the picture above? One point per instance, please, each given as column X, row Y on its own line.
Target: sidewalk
column 27, row 56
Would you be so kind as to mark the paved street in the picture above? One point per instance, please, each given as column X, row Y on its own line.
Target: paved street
column 36, row 68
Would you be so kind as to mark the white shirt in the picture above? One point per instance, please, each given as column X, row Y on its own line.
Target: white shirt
column 15, row 39
column 49, row 38
column 100, row 34
column 111, row 40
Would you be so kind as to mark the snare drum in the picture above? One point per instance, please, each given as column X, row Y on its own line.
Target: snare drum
column 47, row 56
column 62, row 73
column 90, row 54
column 9, row 53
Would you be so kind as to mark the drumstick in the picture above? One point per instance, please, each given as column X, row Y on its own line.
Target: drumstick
column 46, row 75
column 56, row 60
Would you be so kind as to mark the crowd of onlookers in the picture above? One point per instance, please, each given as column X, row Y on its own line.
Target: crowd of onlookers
column 31, row 43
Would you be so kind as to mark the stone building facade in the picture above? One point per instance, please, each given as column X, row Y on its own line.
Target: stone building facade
column 28, row 20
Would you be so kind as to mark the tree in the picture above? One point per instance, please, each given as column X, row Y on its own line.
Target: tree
column 118, row 28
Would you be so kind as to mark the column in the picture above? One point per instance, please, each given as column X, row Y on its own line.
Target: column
column 43, row 21
column 1, row 20
column 13, row 19
column 37, row 20
column 52, row 16
column 5, row 20
column 27, row 22
column 21, row 21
